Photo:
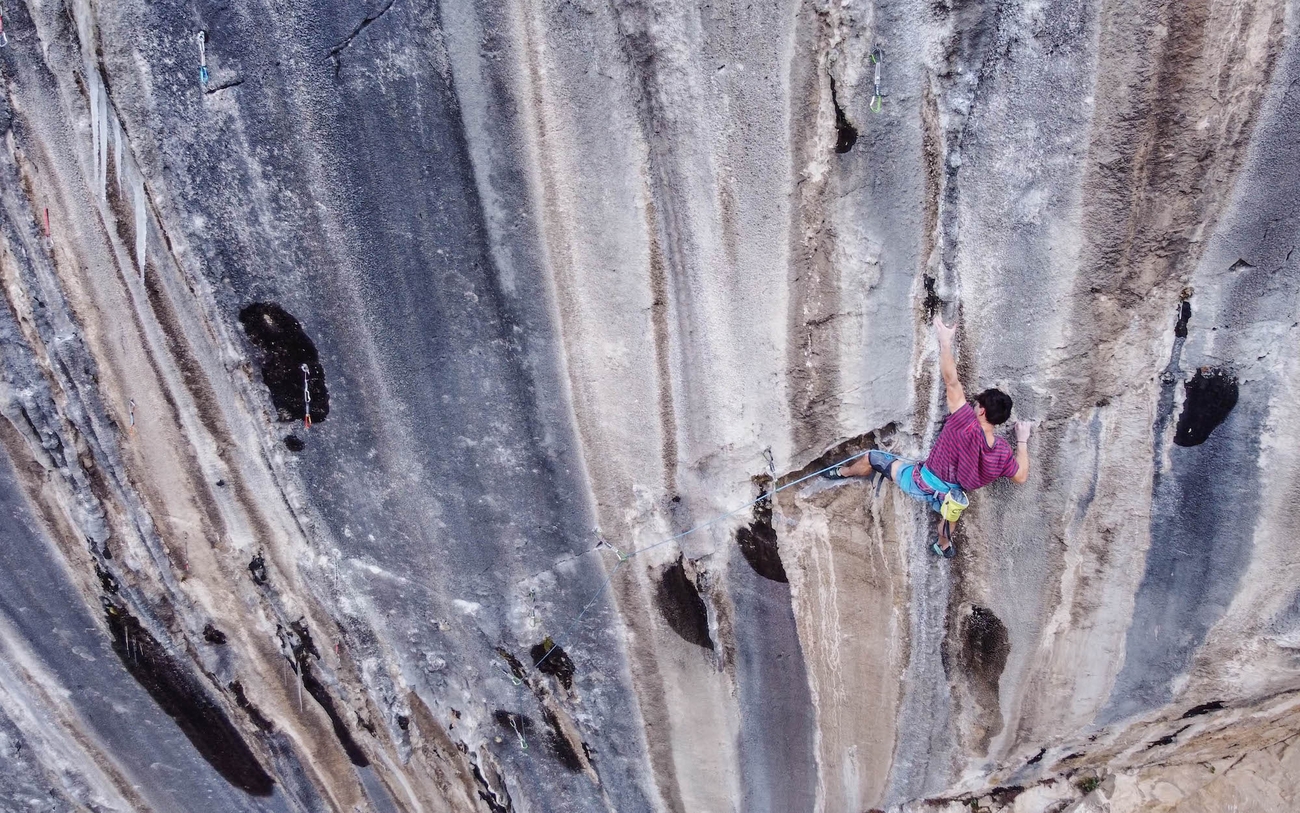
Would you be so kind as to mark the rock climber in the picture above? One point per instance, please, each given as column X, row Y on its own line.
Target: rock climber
column 966, row 455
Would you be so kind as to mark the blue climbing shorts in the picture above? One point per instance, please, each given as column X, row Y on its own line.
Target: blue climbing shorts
column 907, row 482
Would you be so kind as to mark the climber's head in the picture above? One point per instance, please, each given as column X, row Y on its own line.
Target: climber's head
column 994, row 406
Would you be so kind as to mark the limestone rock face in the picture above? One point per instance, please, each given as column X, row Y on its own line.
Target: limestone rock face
column 387, row 411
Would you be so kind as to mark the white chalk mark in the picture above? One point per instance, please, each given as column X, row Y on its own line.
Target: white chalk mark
column 102, row 148
column 93, row 82
column 141, row 226
column 117, row 152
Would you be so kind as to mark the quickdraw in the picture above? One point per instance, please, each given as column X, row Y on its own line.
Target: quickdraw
column 203, row 57
column 306, row 396
column 878, row 96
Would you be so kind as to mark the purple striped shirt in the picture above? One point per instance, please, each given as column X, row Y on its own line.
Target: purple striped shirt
column 961, row 454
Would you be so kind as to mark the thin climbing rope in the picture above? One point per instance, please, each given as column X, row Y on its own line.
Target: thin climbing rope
column 623, row 558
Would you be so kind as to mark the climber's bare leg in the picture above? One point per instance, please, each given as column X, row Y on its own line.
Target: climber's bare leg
column 858, row 468
column 942, row 530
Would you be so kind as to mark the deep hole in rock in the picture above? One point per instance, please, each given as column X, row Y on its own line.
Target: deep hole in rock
column 303, row 648
column 1204, row 708
column 294, row 443
column 183, row 699
column 985, row 646
column 282, row 348
column 509, row 720
column 682, row 607
column 213, row 635
column 557, row 663
column 1037, row 757
column 758, row 544
column 846, row 133
column 1211, row 395
column 257, row 569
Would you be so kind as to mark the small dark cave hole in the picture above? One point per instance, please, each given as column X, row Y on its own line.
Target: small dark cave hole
column 846, row 135
column 1037, row 757
column 282, row 348
column 758, row 544
column 213, row 635
column 556, row 663
column 1211, row 395
column 682, row 607
column 183, row 699
column 985, row 646
column 257, row 569
column 1204, row 708
column 294, row 443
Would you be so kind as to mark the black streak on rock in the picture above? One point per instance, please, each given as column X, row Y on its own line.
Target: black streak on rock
column 257, row 567
column 1037, row 757
column 495, row 803
column 1204, row 708
column 1166, row 740
column 564, row 750
column 283, row 347
column 682, row 607
column 183, row 699
column 106, row 579
column 932, row 302
column 557, row 663
column 213, row 635
column 1211, row 395
column 1184, row 316
column 846, row 133
column 253, row 712
column 758, row 544
column 303, row 648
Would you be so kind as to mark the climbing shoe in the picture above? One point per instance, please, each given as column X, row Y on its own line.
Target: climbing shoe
column 881, row 461
column 834, row 474
column 946, row 553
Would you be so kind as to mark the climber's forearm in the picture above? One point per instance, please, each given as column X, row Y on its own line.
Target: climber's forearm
column 1022, row 462
column 948, row 368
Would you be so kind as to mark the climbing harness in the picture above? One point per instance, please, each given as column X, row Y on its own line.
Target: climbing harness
column 306, row 397
column 203, row 58
column 878, row 96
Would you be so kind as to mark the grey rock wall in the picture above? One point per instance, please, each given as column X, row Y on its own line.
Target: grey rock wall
column 573, row 284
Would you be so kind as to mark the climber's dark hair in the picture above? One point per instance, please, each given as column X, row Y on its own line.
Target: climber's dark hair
column 997, row 405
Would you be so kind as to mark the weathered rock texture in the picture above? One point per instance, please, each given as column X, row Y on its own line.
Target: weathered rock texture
column 562, row 272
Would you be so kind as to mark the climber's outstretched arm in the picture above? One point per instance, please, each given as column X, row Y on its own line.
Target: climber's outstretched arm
column 1023, row 428
column 948, row 365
